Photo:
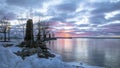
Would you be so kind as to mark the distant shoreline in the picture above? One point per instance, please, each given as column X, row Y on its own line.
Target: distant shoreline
column 88, row 37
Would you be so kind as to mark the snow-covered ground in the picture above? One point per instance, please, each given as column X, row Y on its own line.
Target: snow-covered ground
column 9, row 60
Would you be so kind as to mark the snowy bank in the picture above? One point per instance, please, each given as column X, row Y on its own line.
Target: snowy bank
column 9, row 60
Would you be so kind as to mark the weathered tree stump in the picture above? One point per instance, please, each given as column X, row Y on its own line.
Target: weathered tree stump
column 32, row 47
column 29, row 37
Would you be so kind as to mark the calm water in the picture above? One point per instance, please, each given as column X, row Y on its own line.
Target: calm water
column 98, row 52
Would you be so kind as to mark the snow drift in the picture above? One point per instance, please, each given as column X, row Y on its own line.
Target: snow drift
column 9, row 60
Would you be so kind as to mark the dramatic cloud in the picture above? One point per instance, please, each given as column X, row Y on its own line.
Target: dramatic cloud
column 116, row 17
column 26, row 3
column 68, row 7
column 8, row 14
column 98, row 14
column 82, row 14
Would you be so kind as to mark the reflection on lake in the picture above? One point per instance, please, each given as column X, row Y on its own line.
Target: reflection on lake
column 98, row 52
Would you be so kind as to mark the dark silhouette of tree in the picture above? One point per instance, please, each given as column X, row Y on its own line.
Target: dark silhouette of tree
column 29, row 37
column 29, row 31
column 5, row 28
column 39, row 32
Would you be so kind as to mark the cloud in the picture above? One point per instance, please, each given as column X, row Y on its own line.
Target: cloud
column 111, row 28
column 61, row 17
column 97, row 19
column 116, row 17
column 26, row 3
column 105, row 7
column 38, row 14
column 67, row 7
column 7, row 14
column 100, row 9
column 81, row 13
column 83, row 25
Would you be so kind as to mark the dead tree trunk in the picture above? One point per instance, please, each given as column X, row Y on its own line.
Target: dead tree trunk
column 29, row 37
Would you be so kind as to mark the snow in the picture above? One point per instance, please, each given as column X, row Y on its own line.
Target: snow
column 9, row 60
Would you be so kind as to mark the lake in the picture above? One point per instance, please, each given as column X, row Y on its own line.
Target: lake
column 98, row 52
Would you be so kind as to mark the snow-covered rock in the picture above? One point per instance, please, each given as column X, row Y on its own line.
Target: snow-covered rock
column 9, row 60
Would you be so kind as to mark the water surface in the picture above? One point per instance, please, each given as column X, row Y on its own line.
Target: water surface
column 98, row 52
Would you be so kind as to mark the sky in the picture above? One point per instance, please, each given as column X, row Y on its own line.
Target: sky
column 68, row 15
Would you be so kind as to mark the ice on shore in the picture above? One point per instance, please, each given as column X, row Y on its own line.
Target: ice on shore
column 9, row 60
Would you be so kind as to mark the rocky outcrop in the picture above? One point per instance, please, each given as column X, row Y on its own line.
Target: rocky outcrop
column 41, row 52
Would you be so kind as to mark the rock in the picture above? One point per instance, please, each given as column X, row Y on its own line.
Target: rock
column 52, row 55
column 7, row 45
column 22, row 44
column 39, row 50
column 41, row 55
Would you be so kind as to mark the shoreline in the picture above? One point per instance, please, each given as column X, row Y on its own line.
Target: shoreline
column 34, row 61
column 89, row 37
